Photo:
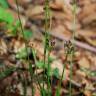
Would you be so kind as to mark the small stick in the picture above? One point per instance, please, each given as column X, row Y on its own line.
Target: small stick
column 62, row 38
column 77, row 43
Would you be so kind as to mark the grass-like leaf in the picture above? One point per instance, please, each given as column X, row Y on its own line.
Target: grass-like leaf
column 7, row 72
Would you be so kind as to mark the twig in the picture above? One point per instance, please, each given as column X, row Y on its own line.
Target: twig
column 61, row 37
column 77, row 43
column 74, row 83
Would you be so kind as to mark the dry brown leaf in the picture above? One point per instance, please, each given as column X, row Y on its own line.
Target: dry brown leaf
column 83, row 62
column 88, row 87
column 88, row 14
column 83, row 2
column 61, row 30
column 89, row 19
column 58, row 4
column 69, row 25
column 61, row 16
column 34, row 11
column 91, row 41
column 80, row 73
column 86, row 33
column 20, row 2
column 13, row 5
column 18, row 45
column 87, row 93
column 3, row 47
column 58, row 64
column 20, row 88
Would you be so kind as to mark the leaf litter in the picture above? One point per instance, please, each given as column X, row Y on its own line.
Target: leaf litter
column 32, row 16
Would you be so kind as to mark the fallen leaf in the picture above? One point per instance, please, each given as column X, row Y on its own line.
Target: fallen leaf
column 83, row 62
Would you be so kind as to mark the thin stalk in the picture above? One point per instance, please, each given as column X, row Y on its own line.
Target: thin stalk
column 31, row 75
column 48, row 17
column 46, row 44
column 34, row 56
column 59, row 85
column 49, row 50
column 48, row 78
column 72, row 53
column 30, row 66
column 24, row 85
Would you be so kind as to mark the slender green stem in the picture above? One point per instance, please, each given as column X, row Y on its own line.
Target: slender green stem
column 59, row 85
column 34, row 56
column 30, row 66
column 46, row 47
column 31, row 75
column 72, row 53
column 47, row 36
column 48, row 78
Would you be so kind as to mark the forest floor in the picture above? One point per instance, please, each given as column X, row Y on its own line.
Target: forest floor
column 12, row 45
